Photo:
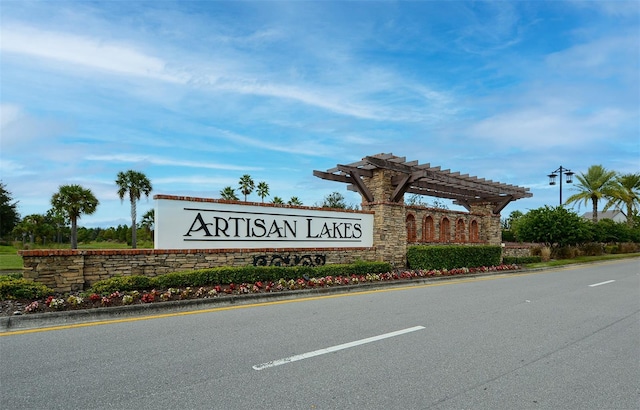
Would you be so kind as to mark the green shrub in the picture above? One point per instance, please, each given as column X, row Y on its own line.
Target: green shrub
column 452, row 256
column 23, row 289
column 508, row 236
column 611, row 249
column 10, row 276
column 122, row 284
column 521, row 260
column 251, row 274
column 227, row 275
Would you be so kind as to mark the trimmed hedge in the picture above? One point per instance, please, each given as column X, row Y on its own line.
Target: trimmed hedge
column 227, row 275
column 122, row 284
column 452, row 256
column 521, row 260
column 23, row 289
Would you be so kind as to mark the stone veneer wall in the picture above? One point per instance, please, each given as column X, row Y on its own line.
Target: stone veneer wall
column 489, row 232
column 73, row 270
column 518, row 249
column 389, row 232
column 437, row 215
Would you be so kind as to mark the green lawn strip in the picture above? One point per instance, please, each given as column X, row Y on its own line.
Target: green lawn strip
column 7, row 249
column 9, row 261
column 582, row 259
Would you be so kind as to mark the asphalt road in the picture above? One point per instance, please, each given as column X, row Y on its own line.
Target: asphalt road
column 543, row 340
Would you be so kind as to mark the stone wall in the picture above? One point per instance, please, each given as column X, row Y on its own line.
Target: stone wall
column 431, row 226
column 73, row 270
column 389, row 234
column 517, row 250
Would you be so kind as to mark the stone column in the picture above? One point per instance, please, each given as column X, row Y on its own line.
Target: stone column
column 389, row 232
column 490, row 229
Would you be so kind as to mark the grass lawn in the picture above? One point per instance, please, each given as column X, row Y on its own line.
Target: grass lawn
column 10, row 260
column 582, row 259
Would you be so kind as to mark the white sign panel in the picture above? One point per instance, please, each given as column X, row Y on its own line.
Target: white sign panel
column 192, row 223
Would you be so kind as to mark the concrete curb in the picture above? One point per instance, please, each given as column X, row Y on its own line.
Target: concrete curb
column 72, row 317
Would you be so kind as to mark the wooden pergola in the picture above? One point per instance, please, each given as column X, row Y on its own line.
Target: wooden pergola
column 424, row 179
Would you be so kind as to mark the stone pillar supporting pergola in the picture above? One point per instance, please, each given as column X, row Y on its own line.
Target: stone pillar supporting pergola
column 383, row 179
column 389, row 234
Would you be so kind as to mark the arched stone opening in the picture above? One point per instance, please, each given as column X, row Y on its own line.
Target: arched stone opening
column 460, row 231
column 412, row 235
column 428, row 229
column 445, row 230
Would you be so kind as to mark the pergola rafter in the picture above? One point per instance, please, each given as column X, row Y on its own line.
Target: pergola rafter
column 423, row 179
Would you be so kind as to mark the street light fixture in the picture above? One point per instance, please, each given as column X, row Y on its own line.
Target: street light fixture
column 558, row 172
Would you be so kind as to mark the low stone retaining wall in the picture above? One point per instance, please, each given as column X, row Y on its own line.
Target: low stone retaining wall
column 517, row 250
column 73, row 270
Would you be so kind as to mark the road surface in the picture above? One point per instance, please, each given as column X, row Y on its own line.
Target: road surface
column 557, row 339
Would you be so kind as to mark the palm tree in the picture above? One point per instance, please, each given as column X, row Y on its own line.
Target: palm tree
column 595, row 184
column 246, row 185
column 229, row 193
column 136, row 184
column 147, row 222
column 263, row 190
column 277, row 200
column 73, row 201
column 295, row 201
column 626, row 192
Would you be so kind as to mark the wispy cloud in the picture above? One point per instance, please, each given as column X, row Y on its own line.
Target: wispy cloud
column 84, row 51
column 197, row 94
column 150, row 159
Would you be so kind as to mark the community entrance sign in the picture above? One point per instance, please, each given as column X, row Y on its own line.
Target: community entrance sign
column 196, row 223
column 196, row 233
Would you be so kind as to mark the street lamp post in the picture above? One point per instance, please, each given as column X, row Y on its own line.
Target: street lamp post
column 558, row 172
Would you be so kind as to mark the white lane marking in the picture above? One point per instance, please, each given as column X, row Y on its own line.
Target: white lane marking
column 332, row 349
column 601, row 283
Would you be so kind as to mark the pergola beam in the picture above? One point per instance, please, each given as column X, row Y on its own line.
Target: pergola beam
column 355, row 175
column 423, row 179
column 401, row 188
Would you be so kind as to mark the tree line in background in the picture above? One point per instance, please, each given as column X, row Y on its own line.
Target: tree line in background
column 558, row 227
column 60, row 223
column 68, row 205
column 555, row 227
column 246, row 186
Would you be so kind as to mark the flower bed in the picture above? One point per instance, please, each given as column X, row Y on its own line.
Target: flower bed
column 78, row 301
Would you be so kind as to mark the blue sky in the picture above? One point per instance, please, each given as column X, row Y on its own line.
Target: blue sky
column 196, row 94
